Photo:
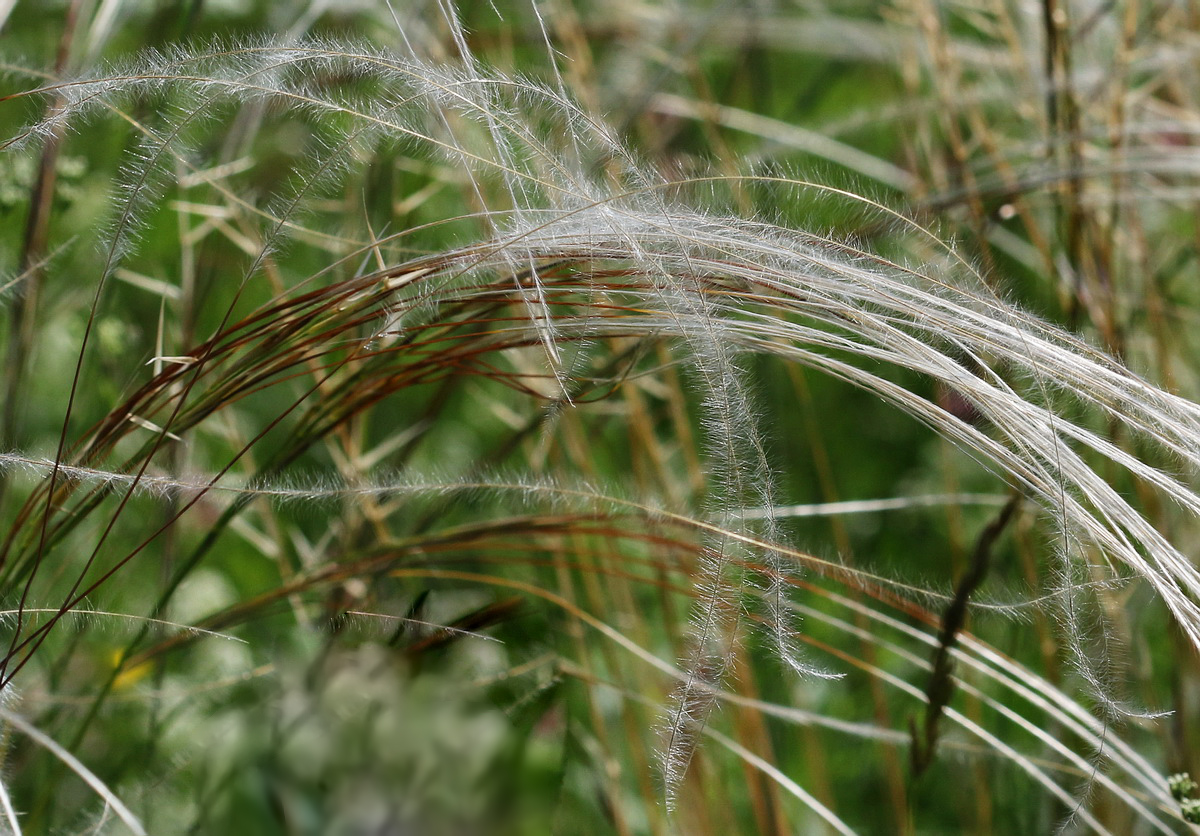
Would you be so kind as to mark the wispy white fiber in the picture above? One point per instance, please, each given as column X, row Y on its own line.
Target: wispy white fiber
column 873, row 506
column 12, row 826
column 73, row 763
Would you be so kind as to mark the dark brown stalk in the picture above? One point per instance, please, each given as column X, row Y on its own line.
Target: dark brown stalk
column 941, row 683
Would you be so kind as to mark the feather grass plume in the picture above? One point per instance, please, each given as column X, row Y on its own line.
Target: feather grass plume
column 576, row 247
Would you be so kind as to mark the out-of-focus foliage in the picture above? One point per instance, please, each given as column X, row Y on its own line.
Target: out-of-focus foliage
column 579, row 417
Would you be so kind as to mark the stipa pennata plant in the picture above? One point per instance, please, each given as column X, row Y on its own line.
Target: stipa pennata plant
column 568, row 274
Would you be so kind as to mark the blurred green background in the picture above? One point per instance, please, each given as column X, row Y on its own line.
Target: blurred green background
column 431, row 662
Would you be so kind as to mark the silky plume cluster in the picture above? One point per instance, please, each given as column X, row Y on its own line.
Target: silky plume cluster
column 595, row 247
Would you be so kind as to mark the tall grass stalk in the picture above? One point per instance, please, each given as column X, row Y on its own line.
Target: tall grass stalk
column 448, row 372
